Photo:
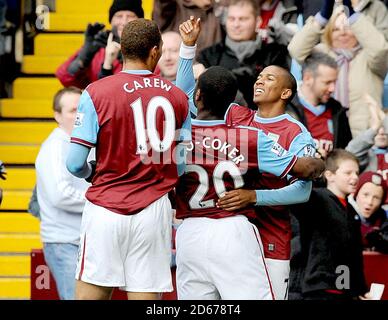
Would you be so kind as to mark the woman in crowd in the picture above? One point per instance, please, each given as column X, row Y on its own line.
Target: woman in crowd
column 360, row 50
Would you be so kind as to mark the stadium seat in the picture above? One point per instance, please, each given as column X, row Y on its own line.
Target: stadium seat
column 14, row 266
column 26, row 108
column 34, row 132
column 16, row 222
column 19, row 154
column 15, row 288
column 15, row 242
column 36, row 88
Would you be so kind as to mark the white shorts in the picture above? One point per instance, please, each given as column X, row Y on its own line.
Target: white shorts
column 279, row 273
column 220, row 259
column 132, row 252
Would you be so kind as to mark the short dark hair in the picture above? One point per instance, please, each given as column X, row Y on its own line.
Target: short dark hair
column 138, row 38
column 337, row 156
column 57, row 107
column 218, row 89
column 290, row 83
column 317, row 58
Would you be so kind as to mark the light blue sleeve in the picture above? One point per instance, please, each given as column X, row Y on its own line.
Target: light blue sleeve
column 181, row 152
column 181, row 148
column 185, row 131
column 185, row 76
column 86, row 126
column 76, row 161
column 272, row 157
column 303, row 145
column 297, row 192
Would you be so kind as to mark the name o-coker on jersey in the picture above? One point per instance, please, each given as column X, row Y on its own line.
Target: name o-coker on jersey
column 216, row 144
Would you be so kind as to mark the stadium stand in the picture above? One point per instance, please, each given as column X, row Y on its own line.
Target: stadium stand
column 25, row 121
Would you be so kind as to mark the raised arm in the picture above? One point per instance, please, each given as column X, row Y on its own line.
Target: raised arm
column 297, row 192
column 309, row 36
column 185, row 80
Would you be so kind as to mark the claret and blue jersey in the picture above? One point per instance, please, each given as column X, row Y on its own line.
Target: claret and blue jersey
column 134, row 119
column 223, row 157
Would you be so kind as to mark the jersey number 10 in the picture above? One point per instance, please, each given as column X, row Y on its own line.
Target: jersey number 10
column 153, row 136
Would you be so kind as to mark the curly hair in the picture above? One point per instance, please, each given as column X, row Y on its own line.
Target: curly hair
column 138, row 38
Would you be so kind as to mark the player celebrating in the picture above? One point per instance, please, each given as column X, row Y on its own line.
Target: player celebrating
column 125, row 240
column 219, row 251
column 273, row 88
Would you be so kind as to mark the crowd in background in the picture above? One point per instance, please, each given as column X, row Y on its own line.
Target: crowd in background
column 336, row 49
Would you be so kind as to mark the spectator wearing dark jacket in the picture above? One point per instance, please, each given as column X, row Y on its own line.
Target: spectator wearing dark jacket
column 100, row 55
column 330, row 258
column 322, row 115
column 169, row 14
column 242, row 51
column 366, row 200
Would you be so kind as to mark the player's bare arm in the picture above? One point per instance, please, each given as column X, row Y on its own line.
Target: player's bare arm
column 190, row 30
column 308, row 168
column 237, row 199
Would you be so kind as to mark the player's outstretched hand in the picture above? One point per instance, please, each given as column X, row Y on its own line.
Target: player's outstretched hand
column 190, row 30
column 237, row 199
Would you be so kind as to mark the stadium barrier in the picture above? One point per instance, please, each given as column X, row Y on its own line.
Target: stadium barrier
column 43, row 284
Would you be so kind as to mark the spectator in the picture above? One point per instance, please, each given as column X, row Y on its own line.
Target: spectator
column 61, row 196
column 360, row 51
column 126, row 230
column 168, row 63
column 308, row 7
column 168, row 14
column 100, row 55
column 279, row 20
column 33, row 205
column 313, row 105
column 331, row 264
column 374, row 9
column 371, row 146
column 243, row 51
column 376, row 12
column 9, row 48
column 367, row 199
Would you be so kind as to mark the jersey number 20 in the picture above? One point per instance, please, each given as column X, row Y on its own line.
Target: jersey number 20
column 196, row 201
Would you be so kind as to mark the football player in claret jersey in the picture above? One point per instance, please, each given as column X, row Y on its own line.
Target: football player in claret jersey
column 219, row 252
column 125, row 238
column 275, row 86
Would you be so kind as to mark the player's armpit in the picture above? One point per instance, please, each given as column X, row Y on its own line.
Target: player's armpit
column 237, row 199
column 308, row 168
